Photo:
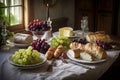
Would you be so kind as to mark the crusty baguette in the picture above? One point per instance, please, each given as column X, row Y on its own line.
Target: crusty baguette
column 91, row 48
column 81, row 46
column 74, row 45
column 59, row 51
column 75, row 53
column 50, row 53
column 92, row 37
column 23, row 38
column 95, row 50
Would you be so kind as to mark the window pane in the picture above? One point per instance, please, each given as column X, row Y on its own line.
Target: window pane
column 13, row 12
column 6, row 12
column 15, row 15
column 6, row 17
column 11, row 2
column 3, row 12
column 6, row 2
column 16, row 2
column 1, row 0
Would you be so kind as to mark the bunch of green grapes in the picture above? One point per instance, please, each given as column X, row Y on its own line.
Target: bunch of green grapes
column 61, row 40
column 26, row 56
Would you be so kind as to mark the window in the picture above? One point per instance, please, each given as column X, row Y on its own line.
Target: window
column 13, row 13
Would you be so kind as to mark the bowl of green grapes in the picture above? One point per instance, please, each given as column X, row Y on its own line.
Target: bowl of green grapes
column 27, row 58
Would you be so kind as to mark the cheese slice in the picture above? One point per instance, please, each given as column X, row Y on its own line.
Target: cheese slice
column 66, row 31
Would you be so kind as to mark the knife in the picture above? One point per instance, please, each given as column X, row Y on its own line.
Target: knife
column 83, row 65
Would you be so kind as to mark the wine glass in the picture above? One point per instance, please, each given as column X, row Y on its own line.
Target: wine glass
column 84, row 26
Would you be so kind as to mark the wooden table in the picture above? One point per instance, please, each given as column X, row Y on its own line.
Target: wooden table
column 66, row 71
column 114, row 71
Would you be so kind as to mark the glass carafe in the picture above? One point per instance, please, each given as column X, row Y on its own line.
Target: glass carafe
column 84, row 26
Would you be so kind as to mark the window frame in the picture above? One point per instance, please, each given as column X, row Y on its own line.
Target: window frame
column 28, row 16
column 19, row 27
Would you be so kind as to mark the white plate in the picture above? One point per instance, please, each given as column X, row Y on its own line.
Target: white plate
column 83, row 61
column 28, row 66
column 55, row 34
column 12, row 43
column 21, row 45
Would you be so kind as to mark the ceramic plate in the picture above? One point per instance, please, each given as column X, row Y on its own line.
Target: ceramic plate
column 83, row 61
column 21, row 45
column 12, row 43
column 28, row 66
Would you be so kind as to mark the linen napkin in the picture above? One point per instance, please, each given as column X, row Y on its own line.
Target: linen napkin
column 62, row 71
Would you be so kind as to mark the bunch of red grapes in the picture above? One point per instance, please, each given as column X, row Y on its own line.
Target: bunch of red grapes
column 82, row 41
column 64, row 55
column 40, row 45
column 104, row 45
column 38, row 25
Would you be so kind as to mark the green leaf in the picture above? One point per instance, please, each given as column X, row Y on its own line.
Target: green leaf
column 2, row 13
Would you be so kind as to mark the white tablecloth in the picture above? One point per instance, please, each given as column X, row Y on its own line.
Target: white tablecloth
column 62, row 71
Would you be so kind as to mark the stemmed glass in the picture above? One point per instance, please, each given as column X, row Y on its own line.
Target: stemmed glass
column 48, row 34
column 44, row 34
column 84, row 25
column 38, row 34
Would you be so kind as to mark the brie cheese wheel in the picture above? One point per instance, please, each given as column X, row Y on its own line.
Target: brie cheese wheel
column 66, row 31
